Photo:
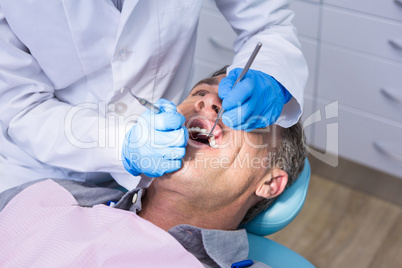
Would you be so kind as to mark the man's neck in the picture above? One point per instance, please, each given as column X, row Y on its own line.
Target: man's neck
column 166, row 210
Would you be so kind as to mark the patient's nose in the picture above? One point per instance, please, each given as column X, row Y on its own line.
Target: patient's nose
column 209, row 103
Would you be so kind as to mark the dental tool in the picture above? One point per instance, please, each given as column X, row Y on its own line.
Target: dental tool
column 198, row 131
column 147, row 104
column 242, row 74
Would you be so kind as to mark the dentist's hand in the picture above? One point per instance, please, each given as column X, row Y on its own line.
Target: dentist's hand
column 157, row 143
column 255, row 102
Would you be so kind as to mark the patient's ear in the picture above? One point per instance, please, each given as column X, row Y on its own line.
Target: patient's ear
column 273, row 184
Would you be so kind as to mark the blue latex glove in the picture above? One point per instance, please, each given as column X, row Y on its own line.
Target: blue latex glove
column 156, row 144
column 255, row 102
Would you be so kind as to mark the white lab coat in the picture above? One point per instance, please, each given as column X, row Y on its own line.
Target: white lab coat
column 66, row 67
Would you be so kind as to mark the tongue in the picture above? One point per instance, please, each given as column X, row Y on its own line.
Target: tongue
column 205, row 141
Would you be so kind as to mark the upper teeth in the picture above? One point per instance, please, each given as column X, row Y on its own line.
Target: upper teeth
column 211, row 140
column 197, row 129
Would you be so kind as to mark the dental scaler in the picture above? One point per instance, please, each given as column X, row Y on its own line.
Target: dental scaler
column 242, row 74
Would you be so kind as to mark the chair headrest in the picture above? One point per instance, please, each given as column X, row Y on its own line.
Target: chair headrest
column 284, row 209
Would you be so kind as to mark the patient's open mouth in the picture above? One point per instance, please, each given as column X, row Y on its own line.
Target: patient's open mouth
column 194, row 131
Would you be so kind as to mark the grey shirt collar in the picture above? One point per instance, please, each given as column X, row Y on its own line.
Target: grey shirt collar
column 213, row 248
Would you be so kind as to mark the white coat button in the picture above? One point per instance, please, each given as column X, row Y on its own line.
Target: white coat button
column 111, row 107
column 120, row 108
column 123, row 54
column 135, row 196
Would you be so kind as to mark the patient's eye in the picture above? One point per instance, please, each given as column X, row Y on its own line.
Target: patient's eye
column 200, row 92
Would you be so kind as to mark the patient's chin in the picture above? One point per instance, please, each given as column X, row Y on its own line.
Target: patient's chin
column 183, row 174
column 191, row 167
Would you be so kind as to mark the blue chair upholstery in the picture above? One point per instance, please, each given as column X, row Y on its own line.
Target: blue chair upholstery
column 274, row 254
column 280, row 214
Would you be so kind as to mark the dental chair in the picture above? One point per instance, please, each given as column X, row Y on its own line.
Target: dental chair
column 285, row 208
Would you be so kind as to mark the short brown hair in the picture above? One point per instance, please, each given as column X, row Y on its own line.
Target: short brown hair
column 289, row 155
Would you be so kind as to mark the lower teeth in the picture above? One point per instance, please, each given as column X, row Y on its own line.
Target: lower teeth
column 212, row 142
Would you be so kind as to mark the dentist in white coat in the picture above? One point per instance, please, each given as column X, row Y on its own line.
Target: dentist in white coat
column 66, row 68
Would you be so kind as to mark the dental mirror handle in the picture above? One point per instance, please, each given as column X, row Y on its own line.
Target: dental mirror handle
column 242, row 74
column 147, row 104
